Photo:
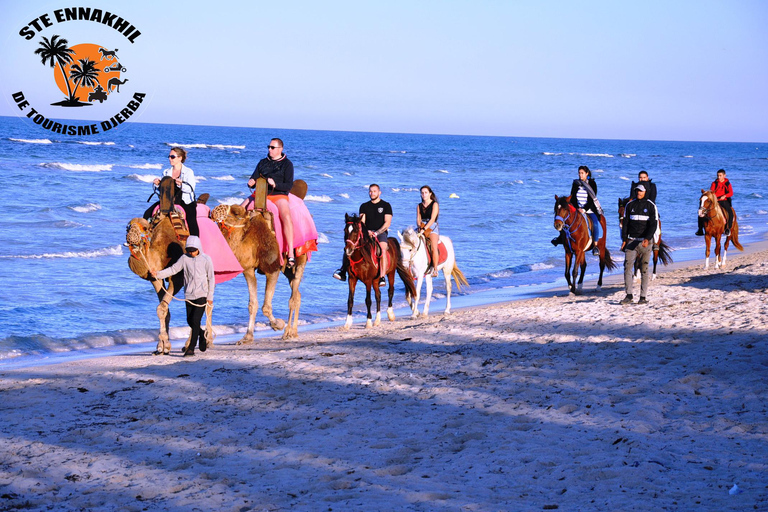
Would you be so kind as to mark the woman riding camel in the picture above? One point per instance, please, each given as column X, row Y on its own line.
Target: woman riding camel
column 185, row 188
column 426, row 218
column 584, row 198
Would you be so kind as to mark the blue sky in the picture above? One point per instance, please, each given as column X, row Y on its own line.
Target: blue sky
column 682, row 70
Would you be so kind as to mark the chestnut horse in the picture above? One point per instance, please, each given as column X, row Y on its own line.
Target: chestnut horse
column 578, row 240
column 663, row 251
column 716, row 221
column 362, row 251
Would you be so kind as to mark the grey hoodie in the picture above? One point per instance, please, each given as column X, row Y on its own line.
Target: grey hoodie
column 199, row 280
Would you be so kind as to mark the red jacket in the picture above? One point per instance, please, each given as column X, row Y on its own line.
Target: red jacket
column 722, row 189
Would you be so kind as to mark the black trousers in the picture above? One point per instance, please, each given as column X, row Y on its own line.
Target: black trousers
column 190, row 212
column 194, row 316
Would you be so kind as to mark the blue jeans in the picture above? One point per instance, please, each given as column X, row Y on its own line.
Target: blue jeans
column 595, row 225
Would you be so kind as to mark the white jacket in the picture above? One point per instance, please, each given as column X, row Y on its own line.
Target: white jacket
column 188, row 183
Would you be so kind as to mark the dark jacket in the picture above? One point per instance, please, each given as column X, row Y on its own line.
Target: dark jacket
column 590, row 206
column 279, row 170
column 639, row 220
column 650, row 190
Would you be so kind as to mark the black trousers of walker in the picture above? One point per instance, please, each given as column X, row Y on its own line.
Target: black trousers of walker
column 194, row 316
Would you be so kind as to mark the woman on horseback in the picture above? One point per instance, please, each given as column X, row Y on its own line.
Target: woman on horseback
column 584, row 198
column 426, row 218
column 185, row 188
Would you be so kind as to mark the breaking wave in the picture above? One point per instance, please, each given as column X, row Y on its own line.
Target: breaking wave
column 115, row 250
column 77, row 167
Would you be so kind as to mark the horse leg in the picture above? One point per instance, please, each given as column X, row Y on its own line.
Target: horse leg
column 568, row 257
column 582, row 268
column 655, row 261
column 707, row 241
column 377, row 293
column 368, row 323
column 717, row 252
column 600, row 278
column 428, row 298
column 447, row 276
column 419, row 282
column 391, row 291
column 350, row 301
column 725, row 248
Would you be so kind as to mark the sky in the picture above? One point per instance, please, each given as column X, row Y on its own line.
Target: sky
column 658, row 70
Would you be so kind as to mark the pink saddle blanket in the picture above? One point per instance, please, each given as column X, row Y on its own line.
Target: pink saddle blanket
column 225, row 264
column 304, row 230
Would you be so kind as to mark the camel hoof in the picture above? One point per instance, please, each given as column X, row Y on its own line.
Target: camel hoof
column 290, row 335
column 247, row 340
column 277, row 325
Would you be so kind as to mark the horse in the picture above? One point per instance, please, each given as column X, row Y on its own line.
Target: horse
column 715, row 217
column 578, row 241
column 661, row 253
column 362, row 251
column 413, row 250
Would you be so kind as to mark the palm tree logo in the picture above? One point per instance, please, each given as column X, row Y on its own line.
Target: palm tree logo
column 77, row 75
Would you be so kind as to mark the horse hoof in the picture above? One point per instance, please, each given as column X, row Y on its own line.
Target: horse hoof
column 653, row 277
column 598, row 288
column 447, row 312
column 368, row 324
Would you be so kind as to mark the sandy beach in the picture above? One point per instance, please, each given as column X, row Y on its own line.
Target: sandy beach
column 554, row 403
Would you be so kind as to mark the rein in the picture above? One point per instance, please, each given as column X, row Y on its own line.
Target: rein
column 569, row 228
column 358, row 246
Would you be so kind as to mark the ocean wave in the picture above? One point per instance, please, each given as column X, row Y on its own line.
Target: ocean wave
column 347, row 174
column 230, row 200
column 326, row 175
column 761, row 212
column 405, row 189
column 627, row 155
column 687, row 156
column 200, row 178
column 393, row 151
column 203, row 146
column 625, row 178
column 541, row 266
column 146, row 178
column 223, row 178
column 755, row 194
column 90, row 207
column 322, row 239
column 550, row 154
column 32, row 141
column 115, row 250
column 318, row 199
column 443, row 171
column 344, row 195
column 604, row 155
column 77, row 167
column 146, row 166
column 93, row 143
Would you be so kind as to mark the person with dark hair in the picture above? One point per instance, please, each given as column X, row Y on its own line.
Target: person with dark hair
column 584, row 198
column 278, row 171
column 650, row 187
column 636, row 236
column 724, row 191
column 426, row 219
column 185, row 188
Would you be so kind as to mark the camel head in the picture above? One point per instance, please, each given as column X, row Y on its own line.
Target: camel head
column 136, row 231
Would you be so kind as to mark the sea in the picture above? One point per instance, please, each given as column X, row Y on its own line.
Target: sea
column 65, row 285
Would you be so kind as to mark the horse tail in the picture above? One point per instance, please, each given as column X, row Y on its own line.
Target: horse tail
column 608, row 261
column 665, row 254
column 458, row 276
column 403, row 271
column 735, row 235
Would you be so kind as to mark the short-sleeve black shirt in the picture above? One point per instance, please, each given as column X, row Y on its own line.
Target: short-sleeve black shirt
column 374, row 214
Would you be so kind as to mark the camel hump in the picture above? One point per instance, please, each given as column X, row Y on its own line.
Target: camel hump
column 299, row 189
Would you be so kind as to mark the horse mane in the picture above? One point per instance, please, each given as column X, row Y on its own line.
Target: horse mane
column 713, row 199
column 410, row 236
column 562, row 202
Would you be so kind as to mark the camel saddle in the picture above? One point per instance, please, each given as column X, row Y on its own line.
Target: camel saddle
column 177, row 221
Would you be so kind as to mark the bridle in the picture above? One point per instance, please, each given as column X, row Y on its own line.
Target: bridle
column 413, row 250
column 570, row 228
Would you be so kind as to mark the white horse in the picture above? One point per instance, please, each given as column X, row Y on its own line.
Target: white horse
column 413, row 249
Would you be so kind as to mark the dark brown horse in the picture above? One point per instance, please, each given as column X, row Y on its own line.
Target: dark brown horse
column 577, row 229
column 661, row 253
column 716, row 221
column 363, row 253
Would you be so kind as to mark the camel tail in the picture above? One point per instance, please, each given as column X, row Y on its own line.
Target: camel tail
column 735, row 236
column 608, row 261
column 665, row 253
column 458, row 276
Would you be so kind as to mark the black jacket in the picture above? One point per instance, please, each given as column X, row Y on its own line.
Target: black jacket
column 650, row 190
column 639, row 220
column 590, row 206
column 279, row 170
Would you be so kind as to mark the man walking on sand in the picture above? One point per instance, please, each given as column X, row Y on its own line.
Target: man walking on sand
column 376, row 215
column 636, row 237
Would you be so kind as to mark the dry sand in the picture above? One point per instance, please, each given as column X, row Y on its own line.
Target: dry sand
column 555, row 403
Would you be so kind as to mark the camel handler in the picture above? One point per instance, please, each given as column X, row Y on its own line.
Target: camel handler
column 199, row 282
column 636, row 238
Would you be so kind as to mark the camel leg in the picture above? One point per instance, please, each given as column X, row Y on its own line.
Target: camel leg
column 164, row 316
column 368, row 323
column 428, row 298
column 447, row 276
column 294, row 303
column 253, row 305
column 350, row 301
column 277, row 324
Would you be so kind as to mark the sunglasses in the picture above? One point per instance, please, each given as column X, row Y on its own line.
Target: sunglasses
column 173, row 156
column 274, row 147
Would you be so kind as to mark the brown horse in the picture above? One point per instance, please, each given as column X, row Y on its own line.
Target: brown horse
column 577, row 231
column 156, row 245
column 716, row 220
column 252, row 240
column 662, row 251
column 362, row 251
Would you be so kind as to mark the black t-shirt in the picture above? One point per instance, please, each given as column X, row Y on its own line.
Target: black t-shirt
column 374, row 214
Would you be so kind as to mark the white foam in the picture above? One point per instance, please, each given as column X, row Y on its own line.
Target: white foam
column 541, row 266
column 627, row 155
column 519, row 182
column 625, row 178
column 347, row 174
column 408, row 189
column 203, row 146
column 146, row 166
column 551, row 154
column 318, row 199
column 604, row 155
column 32, row 141
column 443, row 171
column 687, row 156
column 230, row 200
column 761, row 212
column 223, row 178
column 77, row 167
column 200, row 178
column 146, row 178
column 325, row 175
column 90, row 143
column 90, row 207
column 755, row 194
column 397, row 151
column 115, row 250
column 344, row 195
column 322, row 239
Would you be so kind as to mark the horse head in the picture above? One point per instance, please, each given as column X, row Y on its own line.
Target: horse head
column 166, row 190
column 707, row 202
column 563, row 211
column 622, row 206
column 354, row 234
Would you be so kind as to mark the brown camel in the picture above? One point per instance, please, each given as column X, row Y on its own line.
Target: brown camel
column 254, row 244
column 156, row 246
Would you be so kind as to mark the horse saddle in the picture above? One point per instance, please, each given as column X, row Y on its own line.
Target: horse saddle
column 442, row 252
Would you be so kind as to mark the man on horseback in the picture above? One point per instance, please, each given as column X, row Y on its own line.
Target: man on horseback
column 376, row 215
column 724, row 191
column 636, row 237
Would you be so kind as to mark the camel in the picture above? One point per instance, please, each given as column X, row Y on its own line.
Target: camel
column 250, row 236
column 156, row 246
column 115, row 82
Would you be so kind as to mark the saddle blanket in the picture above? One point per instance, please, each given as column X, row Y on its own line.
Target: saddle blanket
column 304, row 230
column 225, row 264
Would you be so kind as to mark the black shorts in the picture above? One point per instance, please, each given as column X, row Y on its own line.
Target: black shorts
column 382, row 237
